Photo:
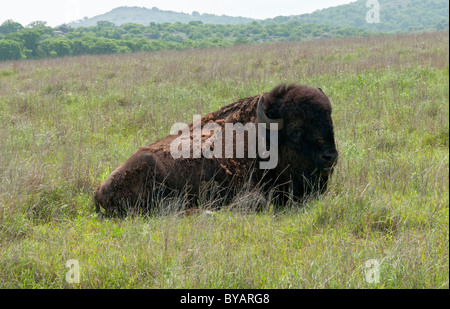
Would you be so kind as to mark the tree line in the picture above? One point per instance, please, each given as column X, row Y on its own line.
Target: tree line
column 37, row 40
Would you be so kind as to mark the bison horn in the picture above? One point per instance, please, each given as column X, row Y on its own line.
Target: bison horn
column 264, row 120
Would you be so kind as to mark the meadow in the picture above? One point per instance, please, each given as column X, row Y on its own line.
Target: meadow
column 66, row 123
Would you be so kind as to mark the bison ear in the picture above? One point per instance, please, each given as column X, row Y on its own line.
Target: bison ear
column 263, row 119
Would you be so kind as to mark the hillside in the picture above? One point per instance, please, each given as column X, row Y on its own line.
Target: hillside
column 395, row 16
column 144, row 16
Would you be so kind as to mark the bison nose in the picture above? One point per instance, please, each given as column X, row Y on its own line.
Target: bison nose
column 329, row 157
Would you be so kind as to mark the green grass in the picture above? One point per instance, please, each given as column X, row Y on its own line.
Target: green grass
column 66, row 123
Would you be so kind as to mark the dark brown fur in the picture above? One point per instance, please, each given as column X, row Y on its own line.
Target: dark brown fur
column 152, row 172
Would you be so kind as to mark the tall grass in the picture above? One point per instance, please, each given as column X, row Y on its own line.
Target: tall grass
column 66, row 123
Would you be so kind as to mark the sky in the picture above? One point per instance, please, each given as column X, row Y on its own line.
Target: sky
column 57, row 12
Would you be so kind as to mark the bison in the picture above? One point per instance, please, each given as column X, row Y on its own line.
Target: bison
column 306, row 152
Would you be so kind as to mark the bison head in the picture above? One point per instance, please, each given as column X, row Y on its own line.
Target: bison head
column 307, row 149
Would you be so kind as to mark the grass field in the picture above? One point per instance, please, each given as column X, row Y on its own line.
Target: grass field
column 66, row 123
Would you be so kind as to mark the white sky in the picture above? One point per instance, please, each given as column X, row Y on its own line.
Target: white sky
column 57, row 12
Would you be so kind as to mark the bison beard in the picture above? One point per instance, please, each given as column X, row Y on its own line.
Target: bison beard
column 306, row 156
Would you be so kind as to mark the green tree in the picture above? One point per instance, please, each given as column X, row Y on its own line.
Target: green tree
column 105, row 23
column 37, row 24
column 134, row 29
column 58, row 47
column 81, row 46
column 41, row 26
column 196, row 35
column 30, row 39
column 10, row 50
column 241, row 40
column 10, row 26
column 106, row 46
column 62, row 47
